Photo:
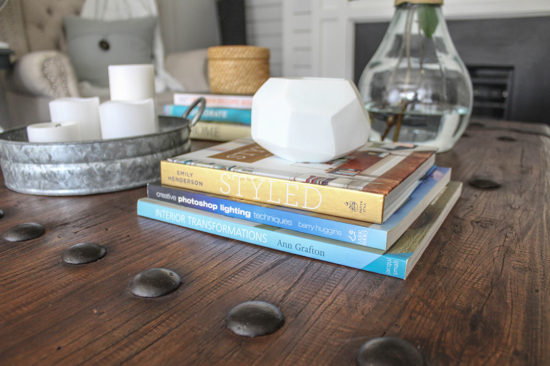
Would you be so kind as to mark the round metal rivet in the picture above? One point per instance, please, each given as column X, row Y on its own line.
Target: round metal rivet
column 24, row 232
column 104, row 45
column 389, row 351
column 254, row 318
column 82, row 253
column 506, row 138
column 155, row 282
column 484, row 183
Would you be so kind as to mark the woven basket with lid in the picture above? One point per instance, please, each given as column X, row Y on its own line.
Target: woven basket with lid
column 237, row 69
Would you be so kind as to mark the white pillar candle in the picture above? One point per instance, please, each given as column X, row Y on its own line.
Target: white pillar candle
column 85, row 111
column 127, row 118
column 131, row 82
column 53, row 132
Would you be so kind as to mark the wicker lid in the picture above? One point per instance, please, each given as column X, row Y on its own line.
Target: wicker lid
column 237, row 52
column 434, row 2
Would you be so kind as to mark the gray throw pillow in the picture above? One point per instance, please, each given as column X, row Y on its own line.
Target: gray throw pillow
column 93, row 45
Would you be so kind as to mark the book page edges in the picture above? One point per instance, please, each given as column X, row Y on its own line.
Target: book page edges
column 444, row 204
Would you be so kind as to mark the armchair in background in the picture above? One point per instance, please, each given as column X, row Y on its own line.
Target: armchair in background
column 44, row 71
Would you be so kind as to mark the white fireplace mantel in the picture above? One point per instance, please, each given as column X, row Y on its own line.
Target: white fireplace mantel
column 319, row 35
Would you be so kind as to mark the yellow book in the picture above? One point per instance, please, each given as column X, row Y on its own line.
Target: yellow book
column 219, row 131
column 368, row 184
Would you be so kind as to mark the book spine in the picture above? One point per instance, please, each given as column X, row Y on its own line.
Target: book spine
column 243, row 116
column 351, row 256
column 272, row 215
column 348, row 203
column 217, row 101
column 215, row 131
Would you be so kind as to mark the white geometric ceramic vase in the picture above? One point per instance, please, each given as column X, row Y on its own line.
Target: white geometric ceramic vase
column 309, row 119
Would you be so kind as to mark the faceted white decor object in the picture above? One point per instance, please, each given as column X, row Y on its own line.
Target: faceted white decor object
column 309, row 119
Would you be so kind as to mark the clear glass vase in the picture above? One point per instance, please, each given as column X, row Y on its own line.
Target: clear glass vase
column 416, row 88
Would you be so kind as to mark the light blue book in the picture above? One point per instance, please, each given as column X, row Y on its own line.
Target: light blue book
column 243, row 116
column 379, row 236
column 397, row 262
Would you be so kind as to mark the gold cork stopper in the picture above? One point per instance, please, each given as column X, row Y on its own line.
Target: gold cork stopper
column 434, row 2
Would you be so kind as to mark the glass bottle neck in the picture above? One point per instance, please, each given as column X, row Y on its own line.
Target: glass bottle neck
column 420, row 19
column 408, row 5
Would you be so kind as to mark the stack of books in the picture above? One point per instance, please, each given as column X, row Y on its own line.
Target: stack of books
column 225, row 118
column 375, row 209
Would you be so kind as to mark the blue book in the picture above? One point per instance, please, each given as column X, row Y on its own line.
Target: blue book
column 397, row 262
column 379, row 236
column 243, row 116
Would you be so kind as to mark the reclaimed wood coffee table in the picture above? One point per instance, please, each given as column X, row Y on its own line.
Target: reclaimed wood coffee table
column 478, row 296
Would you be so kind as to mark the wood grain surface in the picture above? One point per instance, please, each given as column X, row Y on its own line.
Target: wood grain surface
column 478, row 296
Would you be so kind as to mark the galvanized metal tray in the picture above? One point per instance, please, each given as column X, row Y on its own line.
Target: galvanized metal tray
column 90, row 167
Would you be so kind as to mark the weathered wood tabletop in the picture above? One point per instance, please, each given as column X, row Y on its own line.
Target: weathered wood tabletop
column 478, row 296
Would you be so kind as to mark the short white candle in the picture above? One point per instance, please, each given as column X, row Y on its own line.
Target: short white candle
column 53, row 132
column 85, row 111
column 131, row 82
column 127, row 118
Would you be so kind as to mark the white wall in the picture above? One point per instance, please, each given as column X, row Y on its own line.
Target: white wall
column 318, row 35
column 264, row 28
column 297, row 38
